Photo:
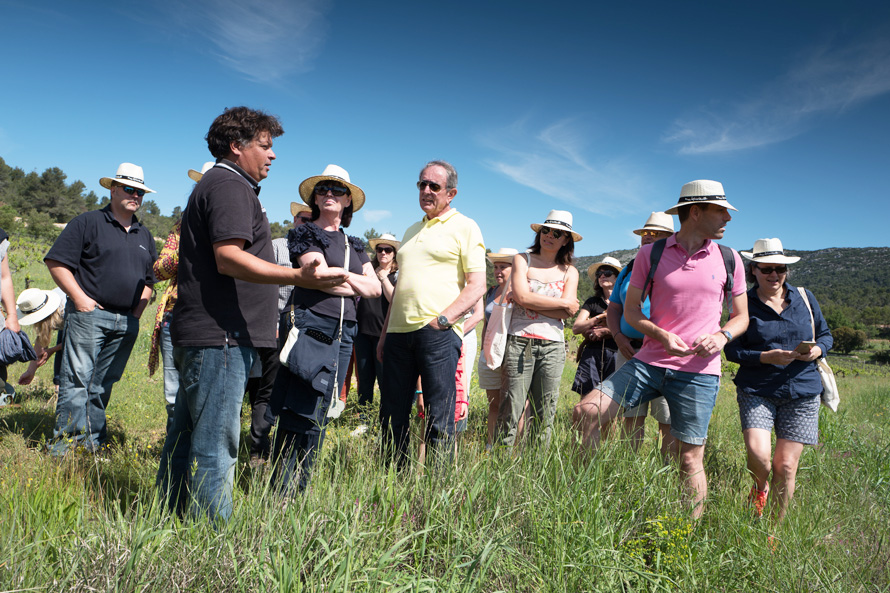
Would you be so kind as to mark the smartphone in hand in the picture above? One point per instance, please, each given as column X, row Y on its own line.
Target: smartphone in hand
column 805, row 347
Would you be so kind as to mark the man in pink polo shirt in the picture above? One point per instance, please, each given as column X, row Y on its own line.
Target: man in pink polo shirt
column 680, row 357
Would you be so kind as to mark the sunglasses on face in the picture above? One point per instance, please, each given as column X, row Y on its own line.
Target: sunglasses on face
column 650, row 233
column 133, row 191
column 379, row 249
column 606, row 273
column 304, row 219
column 776, row 269
column 336, row 191
column 434, row 187
column 555, row 233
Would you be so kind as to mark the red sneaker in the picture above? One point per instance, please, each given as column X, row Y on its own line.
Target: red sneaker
column 757, row 498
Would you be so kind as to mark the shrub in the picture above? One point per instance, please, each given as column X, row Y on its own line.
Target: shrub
column 847, row 339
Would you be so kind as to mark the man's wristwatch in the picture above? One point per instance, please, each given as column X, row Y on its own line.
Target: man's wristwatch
column 727, row 334
column 443, row 322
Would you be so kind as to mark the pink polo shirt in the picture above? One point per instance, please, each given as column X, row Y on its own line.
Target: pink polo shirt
column 686, row 299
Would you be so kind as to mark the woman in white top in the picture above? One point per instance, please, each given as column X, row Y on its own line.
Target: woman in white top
column 544, row 291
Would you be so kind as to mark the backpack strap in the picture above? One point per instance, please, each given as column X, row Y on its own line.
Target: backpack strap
column 654, row 258
column 729, row 264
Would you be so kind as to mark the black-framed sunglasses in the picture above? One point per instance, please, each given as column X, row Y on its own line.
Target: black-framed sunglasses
column 607, row 272
column 383, row 249
column 336, row 191
column 435, row 187
column 770, row 270
column 555, row 233
column 133, row 191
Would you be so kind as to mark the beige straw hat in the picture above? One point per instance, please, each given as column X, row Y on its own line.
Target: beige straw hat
column 333, row 173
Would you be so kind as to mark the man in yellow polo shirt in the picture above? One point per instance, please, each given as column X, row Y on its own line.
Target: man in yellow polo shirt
column 441, row 277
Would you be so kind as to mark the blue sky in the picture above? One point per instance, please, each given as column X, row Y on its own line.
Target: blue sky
column 602, row 109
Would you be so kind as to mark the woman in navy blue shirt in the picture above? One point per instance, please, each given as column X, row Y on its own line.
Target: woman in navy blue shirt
column 778, row 384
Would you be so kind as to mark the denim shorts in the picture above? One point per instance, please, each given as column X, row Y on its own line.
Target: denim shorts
column 690, row 396
column 794, row 419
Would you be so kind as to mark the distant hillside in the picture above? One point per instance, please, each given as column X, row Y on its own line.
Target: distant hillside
column 851, row 284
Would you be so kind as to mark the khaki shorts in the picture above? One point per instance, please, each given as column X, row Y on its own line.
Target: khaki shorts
column 658, row 406
column 488, row 379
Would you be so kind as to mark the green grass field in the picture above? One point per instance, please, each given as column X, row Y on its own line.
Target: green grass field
column 540, row 520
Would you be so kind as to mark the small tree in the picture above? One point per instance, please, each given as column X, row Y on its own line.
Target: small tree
column 847, row 339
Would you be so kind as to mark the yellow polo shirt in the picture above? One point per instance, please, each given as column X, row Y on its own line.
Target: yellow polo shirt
column 434, row 259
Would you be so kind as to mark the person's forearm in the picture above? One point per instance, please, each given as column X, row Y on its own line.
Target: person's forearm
column 64, row 279
column 143, row 302
column 613, row 317
column 7, row 295
column 232, row 260
column 367, row 287
column 471, row 293
column 387, row 288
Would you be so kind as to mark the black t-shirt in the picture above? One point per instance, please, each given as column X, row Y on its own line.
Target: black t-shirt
column 596, row 305
column 213, row 309
column 308, row 238
column 372, row 312
column 110, row 264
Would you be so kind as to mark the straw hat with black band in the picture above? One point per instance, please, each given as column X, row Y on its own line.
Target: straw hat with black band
column 504, row 255
column 769, row 251
column 127, row 174
column 385, row 239
column 701, row 191
column 558, row 219
column 333, row 173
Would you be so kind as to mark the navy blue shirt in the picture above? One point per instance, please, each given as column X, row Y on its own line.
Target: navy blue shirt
column 110, row 264
column 768, row 330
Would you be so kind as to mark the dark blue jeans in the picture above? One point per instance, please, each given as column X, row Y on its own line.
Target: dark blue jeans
column 432, row 355
column 202, row 448
column 97, row 346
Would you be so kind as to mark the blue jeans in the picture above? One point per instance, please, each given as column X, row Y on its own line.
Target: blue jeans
column 202, row 448
column 367, row 367
column 97, row 346
column 171, row 375
column 690, row 396
column 301, row 424
column 432, row 355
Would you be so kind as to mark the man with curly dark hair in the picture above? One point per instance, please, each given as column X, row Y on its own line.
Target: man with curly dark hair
column 228, row 284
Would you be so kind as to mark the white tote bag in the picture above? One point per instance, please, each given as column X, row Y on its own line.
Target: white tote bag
column 830, row 395
column 494, row 342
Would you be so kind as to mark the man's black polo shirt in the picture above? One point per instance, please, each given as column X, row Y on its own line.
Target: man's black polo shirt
column 111, row 265
column 213, row 309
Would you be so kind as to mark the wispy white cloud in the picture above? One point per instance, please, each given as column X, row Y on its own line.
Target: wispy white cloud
column 826, row 82
column 372, row 216
column 264, row 41
column 557, row 161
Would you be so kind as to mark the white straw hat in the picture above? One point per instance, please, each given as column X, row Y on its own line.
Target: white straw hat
column 558, row 219
column 657, row 221
column 385, row 239
column 333, row 173
column 127, row 174
column 196, row 176
column 503, row 255
column 607, row 261
column 769, row 251
column 702, row 191
column 34, row 305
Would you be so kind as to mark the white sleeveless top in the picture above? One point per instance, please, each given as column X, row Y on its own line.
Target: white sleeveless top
column 531, row 324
